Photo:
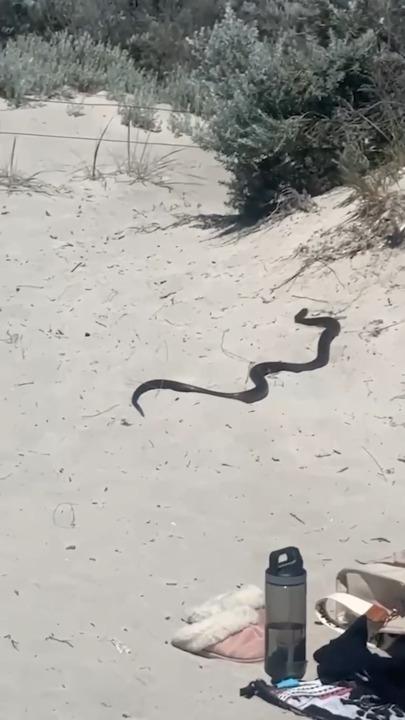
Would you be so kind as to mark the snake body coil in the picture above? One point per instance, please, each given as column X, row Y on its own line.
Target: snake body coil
column 258, row 372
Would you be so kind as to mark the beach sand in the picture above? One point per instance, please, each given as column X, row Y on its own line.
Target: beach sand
column 112, row 525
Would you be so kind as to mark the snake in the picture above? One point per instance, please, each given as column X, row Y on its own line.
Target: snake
column 259, row 372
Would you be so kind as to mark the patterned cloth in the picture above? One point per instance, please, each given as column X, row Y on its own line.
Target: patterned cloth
column 325, row 702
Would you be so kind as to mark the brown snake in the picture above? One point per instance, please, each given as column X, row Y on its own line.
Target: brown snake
column 258, row 372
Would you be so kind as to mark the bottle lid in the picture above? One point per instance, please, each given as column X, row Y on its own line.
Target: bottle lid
column 286, row 563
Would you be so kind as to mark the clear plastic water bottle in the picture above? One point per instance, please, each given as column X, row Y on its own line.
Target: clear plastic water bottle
column 286, row 615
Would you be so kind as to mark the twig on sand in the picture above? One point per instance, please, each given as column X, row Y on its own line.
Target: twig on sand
column 229, row 353
column 85, row 417
column 352, row 302
column 305, row 265
column 374, row 459
column 307, row 297
column 14, row 643
column 59, row 640
column 36, row 287
column 328, row 267
column 299, row 272
column 293, row 515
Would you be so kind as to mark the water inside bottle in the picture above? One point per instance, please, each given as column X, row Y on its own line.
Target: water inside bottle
column 285, row 651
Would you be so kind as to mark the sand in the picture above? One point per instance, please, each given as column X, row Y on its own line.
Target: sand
column 112, row 525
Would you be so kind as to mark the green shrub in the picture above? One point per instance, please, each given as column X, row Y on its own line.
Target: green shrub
column 153, row 31
column 280, row 112
column 138, row 106
column 30, row 65
column 183, row 91
column 278, row 89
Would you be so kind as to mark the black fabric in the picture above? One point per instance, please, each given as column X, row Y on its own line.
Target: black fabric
column 348, row 658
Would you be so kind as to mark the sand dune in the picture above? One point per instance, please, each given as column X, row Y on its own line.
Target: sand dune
column 112, row 524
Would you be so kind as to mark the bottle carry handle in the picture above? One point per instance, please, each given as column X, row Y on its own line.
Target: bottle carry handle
column 293, row 559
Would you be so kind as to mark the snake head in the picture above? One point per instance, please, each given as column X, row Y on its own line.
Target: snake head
column 301, row 314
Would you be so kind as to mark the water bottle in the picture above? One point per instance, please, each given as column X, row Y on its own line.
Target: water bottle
column 286, row 615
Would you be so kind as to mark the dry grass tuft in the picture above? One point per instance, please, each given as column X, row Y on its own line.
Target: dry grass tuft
column 378, row 218
column 12, row 180
column 143, row 165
